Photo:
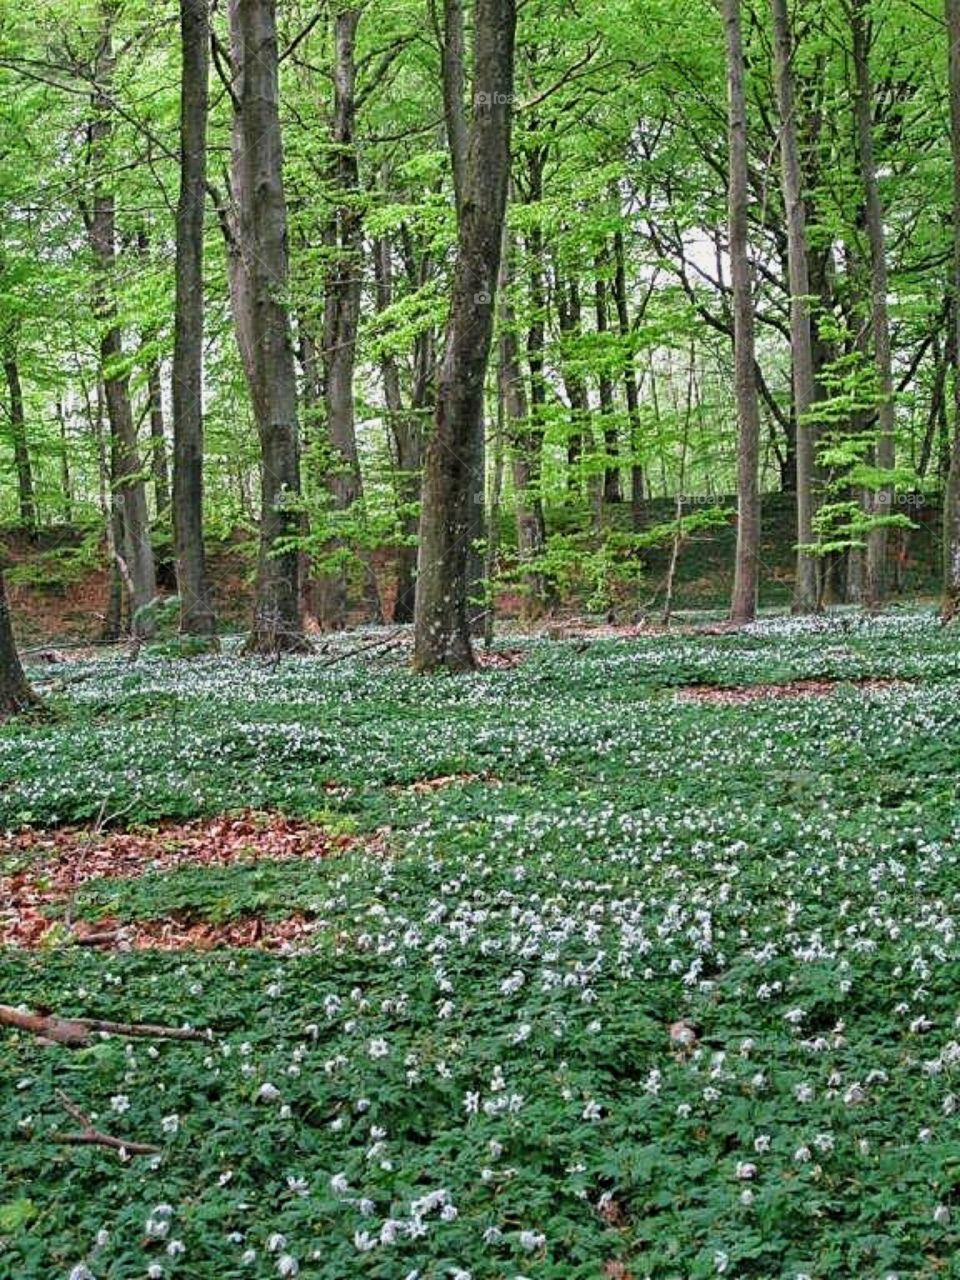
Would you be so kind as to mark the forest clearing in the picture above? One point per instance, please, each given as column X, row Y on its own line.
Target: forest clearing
column 479, row 668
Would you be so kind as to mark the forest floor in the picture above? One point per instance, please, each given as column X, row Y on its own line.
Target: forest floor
column 627, row 956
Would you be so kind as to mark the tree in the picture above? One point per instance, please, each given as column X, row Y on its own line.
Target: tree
column 875, row 580
column 342, row 317
column 135, row 562
column 196, row 611
column 744, row 603
column 21, row 453
column 257, row 261
column 806, row 591
column 950, row 603
column 15, row 693
column 442, row 624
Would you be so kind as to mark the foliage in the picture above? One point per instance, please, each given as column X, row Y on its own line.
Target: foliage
column 467, row 1066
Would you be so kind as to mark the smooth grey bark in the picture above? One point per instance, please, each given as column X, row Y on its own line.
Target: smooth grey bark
column 66, row 480
column 453, row 81
column 112, row 513
column 341, row 322
column 570, row 319
column 135, row 558
column 878, row 502
column 158, row 440
column 159, row 470
column 406, row 432
column 524, row 441
column 630, row 386
column 197, row 617
column 15, row 693
column 26, row 499
column 950, row 601
column 612, row 487
column 743, row 605
column 441, row 626
column 806, row 593
column 257, row 265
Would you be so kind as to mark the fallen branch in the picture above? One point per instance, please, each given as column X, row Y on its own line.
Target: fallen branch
column 93, row 1137
column 388, row 642
column 75, row 1033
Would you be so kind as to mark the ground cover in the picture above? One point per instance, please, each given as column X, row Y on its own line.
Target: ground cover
column 552, row 971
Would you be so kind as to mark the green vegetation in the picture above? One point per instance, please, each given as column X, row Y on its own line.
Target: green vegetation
column 466, row 1065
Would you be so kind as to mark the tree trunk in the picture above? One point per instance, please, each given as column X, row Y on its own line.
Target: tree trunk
column 950, row 604
column 806, row 588
column 743, row 606
column 454, row 86
column 341, row 323
column 570, row 317
column 15, row 693
column 637, row 505
column 21, row 452
column 527, row 444
column 158, row 441
column 135, row 558
column 612, row 488
column 407, row 434
column 196, row 610
column 879, row 502
column 257, row 263
column 66, row 482
column 517, row 430
column 441, row 630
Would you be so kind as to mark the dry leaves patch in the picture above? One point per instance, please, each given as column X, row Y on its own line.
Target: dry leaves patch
column 52, row 865
column 499, row 658
column 791, row 689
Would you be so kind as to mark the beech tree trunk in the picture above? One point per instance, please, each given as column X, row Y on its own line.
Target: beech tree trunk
column 15, row 693
column 341, row 323
column 196, row 610
column 257, row 263
column 453, row 79
column 879, row 502
column 441, row 628
column 950, row 604
column 743, row 606
column 570, row 318
column 407, row 434
column 158, row 441
column 21, row 452
column 806, row 588
column 531, row 533
column 135, row 557
column 632, row 390
column 612, row 488
column 66, row 482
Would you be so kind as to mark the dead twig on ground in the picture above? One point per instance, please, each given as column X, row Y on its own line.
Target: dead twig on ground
column 90, row 1136
column 76, row 1033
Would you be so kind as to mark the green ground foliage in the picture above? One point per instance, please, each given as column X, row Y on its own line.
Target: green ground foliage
column 467, row 1068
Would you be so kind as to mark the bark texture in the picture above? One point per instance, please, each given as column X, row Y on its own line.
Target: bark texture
column 950, row 604
column 879, row 502
column 196, row 610
column 746, row 574
column 806, row 594
column 257, row 263
column 15, row 693
column 341, row 324
column 26, row 499
column 441, row 629
column 135, row 558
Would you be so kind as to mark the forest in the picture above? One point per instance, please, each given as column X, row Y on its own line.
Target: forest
column 479, row 578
